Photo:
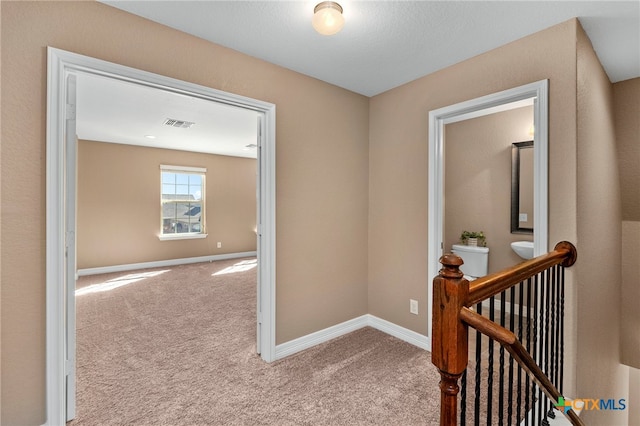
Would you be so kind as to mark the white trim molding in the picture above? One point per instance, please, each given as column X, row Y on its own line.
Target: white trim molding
column 310, row 340
column 409, row 336
column 185, row 236
column 188, row 169
column 163, row 263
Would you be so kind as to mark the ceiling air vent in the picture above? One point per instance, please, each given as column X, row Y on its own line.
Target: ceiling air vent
column 178, row 123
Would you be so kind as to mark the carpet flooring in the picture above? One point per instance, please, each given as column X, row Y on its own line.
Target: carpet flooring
column 176, row 346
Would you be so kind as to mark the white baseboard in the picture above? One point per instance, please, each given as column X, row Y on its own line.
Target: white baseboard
column 163, row 263
column 409, row 336
column 305, row 342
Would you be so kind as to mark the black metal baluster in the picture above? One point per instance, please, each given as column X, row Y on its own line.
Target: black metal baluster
column 528, row 347
column 545, row 368
column 560, row 380
column 552, row 345
column 557, row 328
column 534, row 354
column 503, row 304
column 512, row 310
column 463, row 398
column 519, row 334
column 490, row 363
column 478, row 370
column 541, row 397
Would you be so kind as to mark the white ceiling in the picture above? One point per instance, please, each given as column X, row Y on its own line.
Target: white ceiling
column 110, row 110
column 384, row 44
column 387, row 43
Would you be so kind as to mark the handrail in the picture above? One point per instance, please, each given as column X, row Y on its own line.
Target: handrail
column 564, row 253
column 509, row 340
column 452, row 295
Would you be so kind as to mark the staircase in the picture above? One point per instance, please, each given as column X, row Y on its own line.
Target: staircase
column 511, row 370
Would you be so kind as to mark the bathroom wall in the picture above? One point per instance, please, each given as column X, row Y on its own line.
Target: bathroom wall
column 118, row 227
column 478, row 181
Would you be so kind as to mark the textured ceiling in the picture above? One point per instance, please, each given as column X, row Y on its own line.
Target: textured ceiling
column 387, row 43
column 384, row 44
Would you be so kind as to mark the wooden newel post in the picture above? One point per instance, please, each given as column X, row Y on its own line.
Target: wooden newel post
column 449, row 343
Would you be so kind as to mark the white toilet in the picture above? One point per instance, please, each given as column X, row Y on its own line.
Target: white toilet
column 476, row 260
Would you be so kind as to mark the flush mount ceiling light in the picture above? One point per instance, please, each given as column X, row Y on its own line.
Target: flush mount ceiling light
column 327, row 18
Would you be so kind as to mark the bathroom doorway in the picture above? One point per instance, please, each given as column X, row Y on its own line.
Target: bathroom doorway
column 536, row 93
column 478, row 180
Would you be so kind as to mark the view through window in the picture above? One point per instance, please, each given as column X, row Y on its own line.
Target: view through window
column 182, row 200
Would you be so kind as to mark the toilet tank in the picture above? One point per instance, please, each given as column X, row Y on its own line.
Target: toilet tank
column 476, row 259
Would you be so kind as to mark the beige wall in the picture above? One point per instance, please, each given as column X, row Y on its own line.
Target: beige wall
column 584, row 196
column 119, row 205
column 370, row 209
column 322, row 174
column 398, row 158
column 630, row 294
column 626, row 97
column 598, row 269
column 478, row 181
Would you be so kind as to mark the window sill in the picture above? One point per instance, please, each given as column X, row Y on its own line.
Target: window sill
column 174, row 237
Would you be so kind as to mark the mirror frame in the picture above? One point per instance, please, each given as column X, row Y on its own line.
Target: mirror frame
column 515, row 187
column 538, row 92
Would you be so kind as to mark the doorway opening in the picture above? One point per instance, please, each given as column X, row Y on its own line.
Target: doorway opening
column 536, row 93
column 63, row 68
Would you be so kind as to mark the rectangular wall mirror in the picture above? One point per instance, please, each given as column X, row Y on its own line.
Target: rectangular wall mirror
column 522, row 187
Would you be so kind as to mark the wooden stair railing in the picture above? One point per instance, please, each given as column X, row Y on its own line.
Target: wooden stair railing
column 452, row 297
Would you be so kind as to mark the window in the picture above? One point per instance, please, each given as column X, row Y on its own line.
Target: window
column 182, row 198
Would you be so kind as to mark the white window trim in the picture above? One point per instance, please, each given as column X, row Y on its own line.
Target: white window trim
column 186, row 235
column 183, row 169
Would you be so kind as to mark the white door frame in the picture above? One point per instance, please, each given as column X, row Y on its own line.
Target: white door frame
column 61, row 63
column 70, row 199
column 496, row 102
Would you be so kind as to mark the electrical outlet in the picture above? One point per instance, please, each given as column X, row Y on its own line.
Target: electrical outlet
column 413, row 306
column 219, row 244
